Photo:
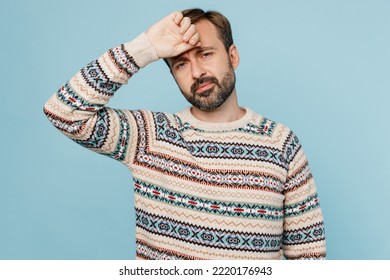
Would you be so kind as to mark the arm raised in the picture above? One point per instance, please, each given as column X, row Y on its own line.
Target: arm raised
column 78, row 108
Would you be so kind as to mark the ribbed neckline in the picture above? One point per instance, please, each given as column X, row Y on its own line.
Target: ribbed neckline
column 187, row 116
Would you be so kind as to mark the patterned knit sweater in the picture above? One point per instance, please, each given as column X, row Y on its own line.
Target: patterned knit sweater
column 237, row 190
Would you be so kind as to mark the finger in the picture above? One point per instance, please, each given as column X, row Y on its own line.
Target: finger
column 184, row 47
column 189, row 33
column 177, row 17
column 194, row 40
column 184, row 25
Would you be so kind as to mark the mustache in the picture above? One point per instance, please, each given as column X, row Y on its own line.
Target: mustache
column 203, row 80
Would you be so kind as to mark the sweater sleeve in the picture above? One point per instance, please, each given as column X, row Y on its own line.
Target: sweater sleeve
column 303, row 232
column 78, row 108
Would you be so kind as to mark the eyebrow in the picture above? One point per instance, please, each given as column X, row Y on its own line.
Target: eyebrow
column 198, row 50
column 202, row 49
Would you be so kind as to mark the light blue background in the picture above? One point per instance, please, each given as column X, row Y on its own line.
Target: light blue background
column 320, row 67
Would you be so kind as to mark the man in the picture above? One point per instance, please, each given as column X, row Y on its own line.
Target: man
column 215, row 181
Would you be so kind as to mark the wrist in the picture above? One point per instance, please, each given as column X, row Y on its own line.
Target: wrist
column 142, row 50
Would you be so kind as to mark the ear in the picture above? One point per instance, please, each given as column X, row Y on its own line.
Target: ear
column 234, row 56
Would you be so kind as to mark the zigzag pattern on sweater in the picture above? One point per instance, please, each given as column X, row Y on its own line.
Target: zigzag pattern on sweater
column 232, row 209
column 305, row 235
column 123, row 61
column 208, row 237
column 95, row 77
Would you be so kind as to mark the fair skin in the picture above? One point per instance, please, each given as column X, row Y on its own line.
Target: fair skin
column 194, row 51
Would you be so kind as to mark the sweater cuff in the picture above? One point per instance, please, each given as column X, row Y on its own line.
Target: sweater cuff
column 142, row 50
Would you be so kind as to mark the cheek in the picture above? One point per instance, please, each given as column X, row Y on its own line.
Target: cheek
column 183, row 82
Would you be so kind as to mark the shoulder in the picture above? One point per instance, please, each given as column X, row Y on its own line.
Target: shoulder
column 266, row 126
column 280, row 136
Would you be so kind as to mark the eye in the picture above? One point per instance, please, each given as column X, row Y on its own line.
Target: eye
column 180, row 65
column 206, row 54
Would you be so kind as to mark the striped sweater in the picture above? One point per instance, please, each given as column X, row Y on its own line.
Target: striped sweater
column 237, row 190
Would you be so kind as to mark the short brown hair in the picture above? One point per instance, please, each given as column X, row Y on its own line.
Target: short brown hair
column 217, row 19
column 220, row 22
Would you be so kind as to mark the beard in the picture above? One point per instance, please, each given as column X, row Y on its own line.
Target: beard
column 214, row 97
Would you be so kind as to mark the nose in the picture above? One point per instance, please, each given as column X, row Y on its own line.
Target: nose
column 197, row 69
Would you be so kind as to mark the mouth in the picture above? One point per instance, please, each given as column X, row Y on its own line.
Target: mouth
column 204, row 87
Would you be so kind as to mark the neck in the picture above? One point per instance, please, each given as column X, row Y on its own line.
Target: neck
column 229, row 111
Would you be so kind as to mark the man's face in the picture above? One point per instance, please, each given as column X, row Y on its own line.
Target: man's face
column 205, row 75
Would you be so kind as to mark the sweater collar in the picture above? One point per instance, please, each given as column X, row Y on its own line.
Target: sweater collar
column 187, row 117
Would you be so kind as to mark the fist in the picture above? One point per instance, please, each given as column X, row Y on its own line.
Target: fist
column 173, row 35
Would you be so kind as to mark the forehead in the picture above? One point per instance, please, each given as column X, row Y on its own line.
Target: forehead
column 208, row 33
column 208, row 36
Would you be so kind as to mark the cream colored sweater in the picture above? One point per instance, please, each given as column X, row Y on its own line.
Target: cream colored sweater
column 238, row 190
